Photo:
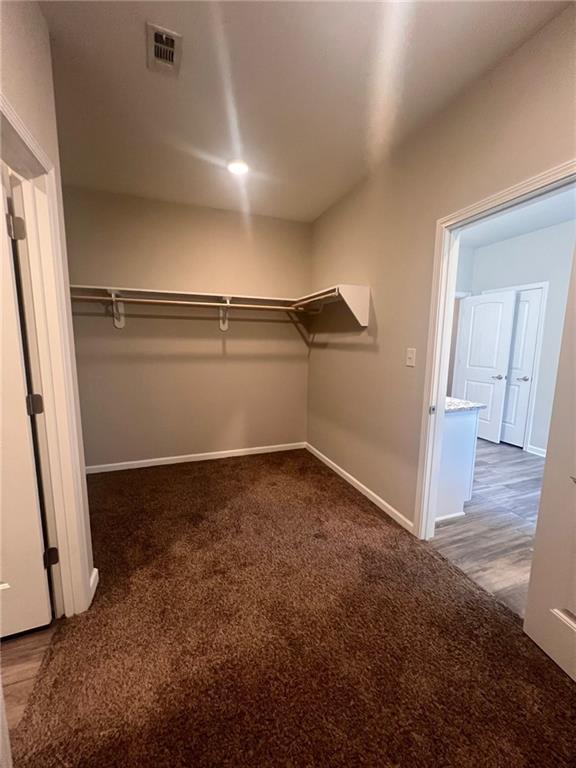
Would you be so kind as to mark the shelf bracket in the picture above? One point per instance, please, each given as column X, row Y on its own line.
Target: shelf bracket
column 118, row 315
column 224, row 314
column 300, row 327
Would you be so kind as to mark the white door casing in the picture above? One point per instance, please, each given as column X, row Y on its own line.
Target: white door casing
column 50, row 289
column 482, row 356
column 24, row 593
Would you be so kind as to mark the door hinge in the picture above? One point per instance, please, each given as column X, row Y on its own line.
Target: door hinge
column 432, row 410
column 51, row 556
column 16, row 227
column 34, row 404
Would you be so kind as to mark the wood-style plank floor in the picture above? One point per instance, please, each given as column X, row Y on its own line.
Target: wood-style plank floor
column 20, row 660
column 492, row 543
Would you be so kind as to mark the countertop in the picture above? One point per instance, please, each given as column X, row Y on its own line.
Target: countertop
column 454, row 404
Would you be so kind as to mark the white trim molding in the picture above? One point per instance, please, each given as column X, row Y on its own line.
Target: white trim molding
column 20, row 128
column 50, row 289
column 440, row 328
column 535, row 450
column 94, row 578
column 212, row 455
column 450, row 517
column 183, row 459
column 398, row 517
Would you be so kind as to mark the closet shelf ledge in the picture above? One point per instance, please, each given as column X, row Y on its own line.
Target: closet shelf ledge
column 355, row 297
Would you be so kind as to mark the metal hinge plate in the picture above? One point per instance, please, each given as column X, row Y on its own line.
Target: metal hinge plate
column 432, row 410
column 51, row 556
column 34, row 404
column 16, row 227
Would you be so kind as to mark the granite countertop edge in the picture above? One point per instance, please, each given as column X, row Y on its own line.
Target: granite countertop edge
column 454, row 404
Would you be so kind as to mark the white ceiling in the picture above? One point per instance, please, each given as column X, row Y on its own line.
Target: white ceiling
column 544, row 211
column 309, row 93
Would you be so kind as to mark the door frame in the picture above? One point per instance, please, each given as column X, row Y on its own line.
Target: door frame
column 440, row 326
column 543, row 286
column 51, row 290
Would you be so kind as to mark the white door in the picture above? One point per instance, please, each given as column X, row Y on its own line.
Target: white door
column 24, row 592
column 521, row 369
column 482, row 356
column 551, row 610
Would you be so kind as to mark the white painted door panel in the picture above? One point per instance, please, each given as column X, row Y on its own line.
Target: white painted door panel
column 551, row 610
column 24, row 594
column 521, row 370
column 482, row 356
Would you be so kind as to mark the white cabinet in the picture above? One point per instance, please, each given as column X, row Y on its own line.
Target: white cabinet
column 456, row 475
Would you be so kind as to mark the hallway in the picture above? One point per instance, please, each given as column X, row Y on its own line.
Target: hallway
column 492, row 543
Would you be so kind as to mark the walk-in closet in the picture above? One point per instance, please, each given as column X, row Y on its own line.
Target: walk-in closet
column 260, row 316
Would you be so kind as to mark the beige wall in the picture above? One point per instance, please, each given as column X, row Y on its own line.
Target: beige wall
column 365, row 406
column 165, row 386
column 26, row 71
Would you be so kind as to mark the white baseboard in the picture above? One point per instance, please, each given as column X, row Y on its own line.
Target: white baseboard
column 96, row 468
column 536, row 451
column 449, row 517
column 94, row 576
column 374, row 498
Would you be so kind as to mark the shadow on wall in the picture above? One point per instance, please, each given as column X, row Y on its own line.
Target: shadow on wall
column 200, row 329
column 341, row 329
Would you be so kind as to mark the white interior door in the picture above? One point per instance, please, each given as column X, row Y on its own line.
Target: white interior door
column 521, row 370
column 551, row 610
column 24, row 591
column 482, row 356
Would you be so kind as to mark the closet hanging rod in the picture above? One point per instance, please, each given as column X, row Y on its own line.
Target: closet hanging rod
column 179, row 303
column 319, row 297
column 355, row 297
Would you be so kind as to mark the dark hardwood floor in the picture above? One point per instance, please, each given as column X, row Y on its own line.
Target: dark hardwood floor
column 492, row 543
column 20, row 660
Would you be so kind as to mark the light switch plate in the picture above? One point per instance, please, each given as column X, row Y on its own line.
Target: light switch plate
column 411, row 357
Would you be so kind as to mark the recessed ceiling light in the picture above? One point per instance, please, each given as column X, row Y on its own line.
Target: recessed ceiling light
column 238, row 167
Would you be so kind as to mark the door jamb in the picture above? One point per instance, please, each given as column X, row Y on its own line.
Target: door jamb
column 543, row 286
column 440, row 325
column 51, row 286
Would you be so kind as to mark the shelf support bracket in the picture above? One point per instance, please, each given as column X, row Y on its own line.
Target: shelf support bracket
column 224, row 314
column 300, row 327
column 118, row 315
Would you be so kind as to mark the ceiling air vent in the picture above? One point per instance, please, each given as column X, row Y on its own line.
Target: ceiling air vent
column 164, row 49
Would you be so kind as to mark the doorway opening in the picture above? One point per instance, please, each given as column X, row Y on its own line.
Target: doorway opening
column 506, row 303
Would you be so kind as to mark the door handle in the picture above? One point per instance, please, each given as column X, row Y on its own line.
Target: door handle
column 522, row 378
column 499, row 377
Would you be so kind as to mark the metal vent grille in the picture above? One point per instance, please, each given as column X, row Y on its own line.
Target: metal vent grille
column 164, row 49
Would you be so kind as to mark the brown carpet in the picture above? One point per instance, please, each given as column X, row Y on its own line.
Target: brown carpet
column 260, row 612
